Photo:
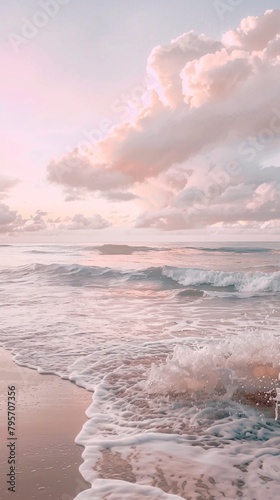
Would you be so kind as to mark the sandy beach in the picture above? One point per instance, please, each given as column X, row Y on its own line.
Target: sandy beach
column 49, row 414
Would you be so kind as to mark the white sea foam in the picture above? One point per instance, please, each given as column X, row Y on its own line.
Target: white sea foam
column 182, row 362
column 161, row 469
column 245, row 363
column 122, row 490
column 187, row 410
column 250, row 282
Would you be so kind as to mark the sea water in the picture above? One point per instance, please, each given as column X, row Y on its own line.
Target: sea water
column 180, row 346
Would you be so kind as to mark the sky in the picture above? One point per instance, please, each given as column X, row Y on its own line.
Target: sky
column 139, row 121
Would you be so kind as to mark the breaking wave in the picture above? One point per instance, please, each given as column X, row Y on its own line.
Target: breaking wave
column 245, row 366
column 248, row 283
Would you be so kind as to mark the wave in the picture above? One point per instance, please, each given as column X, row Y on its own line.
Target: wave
column 120, row 249
column 113, row 249
column 233, row 249
column 182, row 415
column 250, row 282
column 189, row 279
column 190, row 292
column 109, row 249
column 39, row 252
column 247, row 366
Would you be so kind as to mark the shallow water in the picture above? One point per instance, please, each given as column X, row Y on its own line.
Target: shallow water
column 181, row 346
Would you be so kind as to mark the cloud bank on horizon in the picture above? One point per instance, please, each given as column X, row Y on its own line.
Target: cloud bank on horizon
column 12, row 222
column 203, row 148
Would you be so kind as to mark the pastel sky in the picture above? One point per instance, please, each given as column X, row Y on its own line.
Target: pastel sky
column 127, row 121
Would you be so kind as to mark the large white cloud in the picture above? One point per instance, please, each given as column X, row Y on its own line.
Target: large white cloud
column 254, row 33
column 211, row 104
column 166, row 63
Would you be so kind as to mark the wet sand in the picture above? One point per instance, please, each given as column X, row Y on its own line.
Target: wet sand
column 50, row 412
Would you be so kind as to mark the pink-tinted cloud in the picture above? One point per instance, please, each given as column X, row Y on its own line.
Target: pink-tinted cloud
column 10, row 220
column 6, row 184
column 254, row 33
column 166, row 63
column 79, row 221
column 211, row 104
column 36, row 222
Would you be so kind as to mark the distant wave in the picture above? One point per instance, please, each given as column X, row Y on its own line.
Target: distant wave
column 123, row 249
column 110, row 249
column 233, row 249
column 167, row 277
column 38, row 252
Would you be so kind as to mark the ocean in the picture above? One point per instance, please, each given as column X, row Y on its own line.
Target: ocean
column 180, row 345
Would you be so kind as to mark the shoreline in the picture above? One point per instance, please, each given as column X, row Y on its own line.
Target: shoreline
column 49, row 414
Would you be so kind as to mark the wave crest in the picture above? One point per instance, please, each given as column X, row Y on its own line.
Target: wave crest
column 168, row 278
column 245, row 366
column 250, row 282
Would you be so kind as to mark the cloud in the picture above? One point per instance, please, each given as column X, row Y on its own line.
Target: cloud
column 166, row 220
column 6, row 184
column 10, row 220
column 79, row 221
column 36, row 222
column 166, row 63
column 118, row 196
column 79, row 172
column 254, row 33
column 236, row 204
column 215, row 76
column 210, row 120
